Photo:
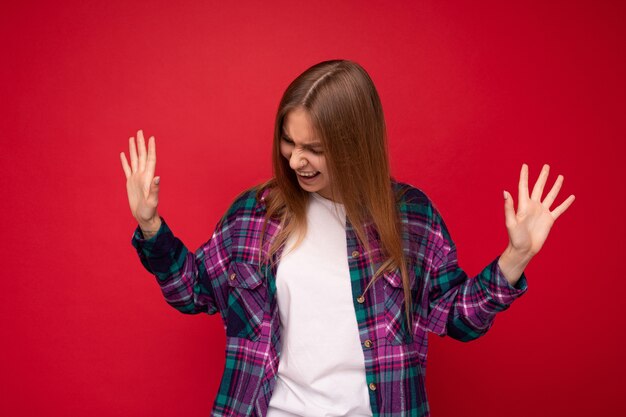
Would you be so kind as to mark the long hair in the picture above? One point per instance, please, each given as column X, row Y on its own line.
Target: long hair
column 347, row 117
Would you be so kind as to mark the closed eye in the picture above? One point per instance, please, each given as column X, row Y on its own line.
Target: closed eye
column 290, row 142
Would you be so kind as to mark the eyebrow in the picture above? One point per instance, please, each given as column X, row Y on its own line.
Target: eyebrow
column 307, row 145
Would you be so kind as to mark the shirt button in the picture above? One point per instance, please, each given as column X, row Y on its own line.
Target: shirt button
column 355, row 254
column 232, row 276
column 360, row 299
column 368, row 343
column 372, row 386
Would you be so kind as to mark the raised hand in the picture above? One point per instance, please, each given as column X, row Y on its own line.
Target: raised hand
column 529, row 227
column 141, row 185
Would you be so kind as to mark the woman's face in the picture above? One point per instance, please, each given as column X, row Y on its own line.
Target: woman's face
column 304, row 153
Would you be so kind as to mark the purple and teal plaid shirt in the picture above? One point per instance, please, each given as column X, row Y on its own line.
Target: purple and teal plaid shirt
column 224, row 276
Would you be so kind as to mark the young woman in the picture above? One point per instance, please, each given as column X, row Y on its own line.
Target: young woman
column 329, row 276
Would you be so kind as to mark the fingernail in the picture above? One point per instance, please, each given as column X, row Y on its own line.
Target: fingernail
column 157, row 180
column 505, row 196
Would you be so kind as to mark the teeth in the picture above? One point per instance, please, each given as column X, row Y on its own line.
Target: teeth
column 307, row 174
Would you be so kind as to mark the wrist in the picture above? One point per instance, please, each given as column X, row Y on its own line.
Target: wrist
column 150, row 227
column 516, row 256
column 512, row 263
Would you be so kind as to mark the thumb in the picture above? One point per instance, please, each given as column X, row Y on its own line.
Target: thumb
column 154, row 188
column 509, row 210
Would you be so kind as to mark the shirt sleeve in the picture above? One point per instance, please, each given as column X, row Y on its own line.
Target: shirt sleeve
column 186, row 279
column 461, row 307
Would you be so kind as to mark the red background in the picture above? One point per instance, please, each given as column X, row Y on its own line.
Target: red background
column 471, row 90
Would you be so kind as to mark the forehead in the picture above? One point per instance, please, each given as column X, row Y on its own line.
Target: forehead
column 297, row 126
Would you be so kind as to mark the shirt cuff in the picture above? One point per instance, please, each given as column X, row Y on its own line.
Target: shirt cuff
column 499, row 288
column 158, row 245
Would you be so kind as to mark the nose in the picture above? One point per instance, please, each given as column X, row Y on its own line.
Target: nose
column 297, row 160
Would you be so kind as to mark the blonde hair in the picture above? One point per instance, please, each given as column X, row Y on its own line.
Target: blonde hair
column 347, row 116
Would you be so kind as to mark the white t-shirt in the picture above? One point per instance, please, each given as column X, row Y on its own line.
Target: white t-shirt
column 321, row 371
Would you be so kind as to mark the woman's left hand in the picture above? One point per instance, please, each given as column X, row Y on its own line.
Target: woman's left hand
column 529, row 227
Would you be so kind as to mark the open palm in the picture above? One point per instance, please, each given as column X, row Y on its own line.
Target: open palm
column 529, row 228
column 141, row 185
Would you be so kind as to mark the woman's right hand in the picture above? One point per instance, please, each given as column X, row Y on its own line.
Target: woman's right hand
column 141, row 185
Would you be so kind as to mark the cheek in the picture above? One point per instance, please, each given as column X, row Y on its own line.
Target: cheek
column 321, row 163
column 285, row 151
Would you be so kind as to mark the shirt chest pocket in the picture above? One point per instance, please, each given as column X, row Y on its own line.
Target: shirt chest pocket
column 246, row 301
column 397, row 329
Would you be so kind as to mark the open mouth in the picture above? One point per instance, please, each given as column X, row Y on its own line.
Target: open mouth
column 308, row 175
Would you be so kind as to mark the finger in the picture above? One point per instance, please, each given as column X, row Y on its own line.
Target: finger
column 133, row 153
column 564, row 205
column 522, row 188
column 541, row 182
column 509, row 211
column 141, row 147
column 551, row 196
column 151, row 161
column 125, row 166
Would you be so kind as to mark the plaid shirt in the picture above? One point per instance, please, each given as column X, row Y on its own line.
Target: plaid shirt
column 224, row 276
